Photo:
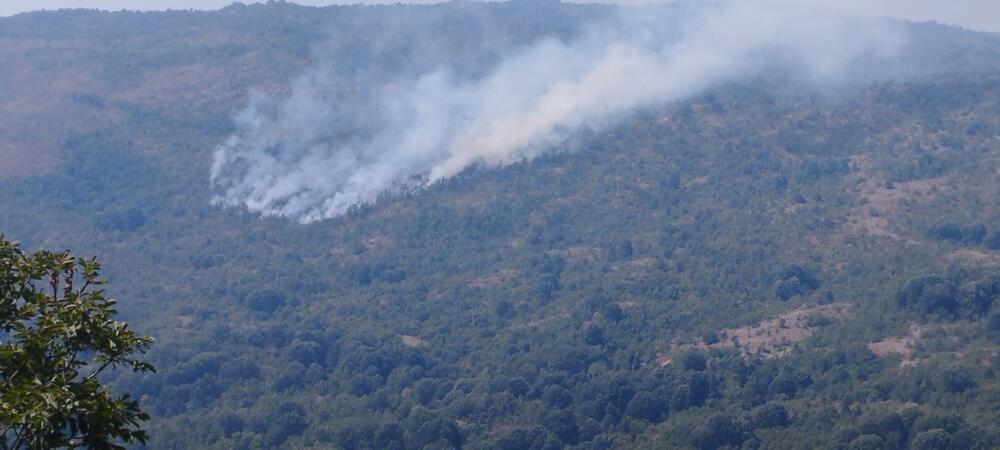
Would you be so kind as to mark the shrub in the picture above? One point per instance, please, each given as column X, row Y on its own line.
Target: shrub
column 771, row 415
column 929, row 294
column 936, row 439
column 693, row 360
column 646, row 406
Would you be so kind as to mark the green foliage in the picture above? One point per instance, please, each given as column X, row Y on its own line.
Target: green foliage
column 795, row 280
column 961, row 294
column 992, row 241
column 59, row 336
column 935, row 439
column 867, row 442
column 647, row 406
column 535, row 305
column 930, row 294
column 993, row 322
column 721, row 430
column 593, row 335
column 957, row 379
column 693, row 360
column 771, row 415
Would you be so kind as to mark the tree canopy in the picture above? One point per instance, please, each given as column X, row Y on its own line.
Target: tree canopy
column 57, row 335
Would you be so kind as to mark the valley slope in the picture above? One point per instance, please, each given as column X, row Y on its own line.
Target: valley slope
column 756, row 266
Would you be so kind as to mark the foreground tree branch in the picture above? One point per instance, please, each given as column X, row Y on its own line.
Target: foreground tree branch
column 47, row 341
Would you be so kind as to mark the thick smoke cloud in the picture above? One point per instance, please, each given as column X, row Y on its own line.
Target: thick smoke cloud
column 314, row 154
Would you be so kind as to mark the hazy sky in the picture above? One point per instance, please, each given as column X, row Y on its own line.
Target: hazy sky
column 976, row 14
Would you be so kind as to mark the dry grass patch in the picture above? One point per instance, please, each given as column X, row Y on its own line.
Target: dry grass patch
column 898, row 345
column 639, row 264
column 883, row 200
column 411, row 341
column 773, row 337
column 975, row 257
column 497, row 279
column 581, row 253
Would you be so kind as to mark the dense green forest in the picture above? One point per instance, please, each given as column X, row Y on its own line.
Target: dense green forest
column 756, row 267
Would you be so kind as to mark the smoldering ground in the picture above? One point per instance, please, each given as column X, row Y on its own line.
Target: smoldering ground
column 316, row 152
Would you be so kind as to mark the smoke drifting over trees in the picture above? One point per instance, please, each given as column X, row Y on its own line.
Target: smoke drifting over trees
column 317, row 152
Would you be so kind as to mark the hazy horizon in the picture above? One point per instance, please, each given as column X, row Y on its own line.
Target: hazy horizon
column 982, row 15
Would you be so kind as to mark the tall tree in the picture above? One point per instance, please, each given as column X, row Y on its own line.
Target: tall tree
column 57, row 336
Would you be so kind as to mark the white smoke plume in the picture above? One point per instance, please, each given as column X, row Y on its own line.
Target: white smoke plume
column 297, row 156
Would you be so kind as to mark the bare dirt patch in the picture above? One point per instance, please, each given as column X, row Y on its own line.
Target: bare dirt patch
column 536, row 323
column 689, row 182
column 497, row 279
column 901, row 345
column 882, row 200
column 640, row 263
column 663, row 361
column 773, row 337
column 377, row 241
column 580, row 253
column 411, row 341
column 975, row 257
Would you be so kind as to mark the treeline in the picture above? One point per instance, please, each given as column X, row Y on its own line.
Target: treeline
column 976, row 235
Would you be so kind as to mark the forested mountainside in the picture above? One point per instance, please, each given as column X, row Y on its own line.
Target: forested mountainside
column 758, row 266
